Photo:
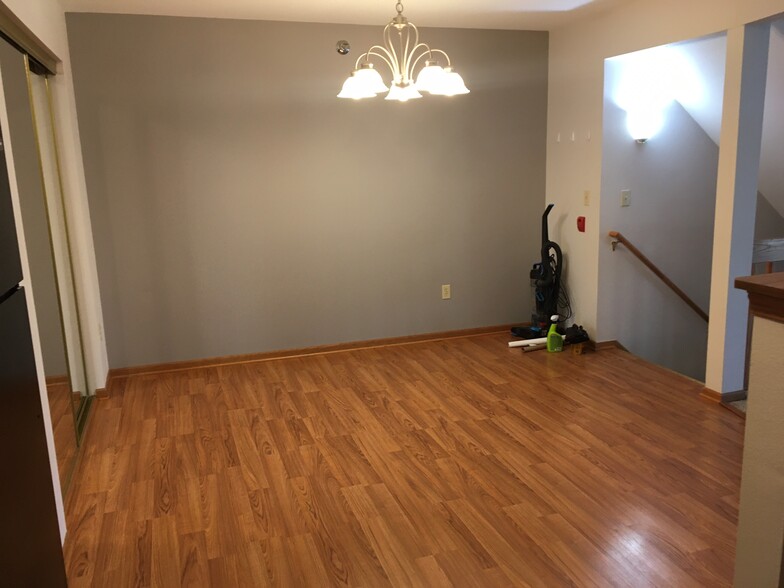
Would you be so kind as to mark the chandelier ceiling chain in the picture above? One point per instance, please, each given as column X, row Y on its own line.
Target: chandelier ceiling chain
column 402, row 52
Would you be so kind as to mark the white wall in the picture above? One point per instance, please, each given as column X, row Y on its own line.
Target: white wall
column 672, row 179
column 761, row 516
column 771, row 180
column 708, row 55
column 46, row 19
column 577, row 54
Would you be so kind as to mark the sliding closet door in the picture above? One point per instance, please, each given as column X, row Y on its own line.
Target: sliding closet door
column 30, row 550
column 79, row 389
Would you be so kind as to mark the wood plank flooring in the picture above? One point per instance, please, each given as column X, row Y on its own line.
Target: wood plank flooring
column 449, row 463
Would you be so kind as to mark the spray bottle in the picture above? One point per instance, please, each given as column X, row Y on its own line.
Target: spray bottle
column 554, row 339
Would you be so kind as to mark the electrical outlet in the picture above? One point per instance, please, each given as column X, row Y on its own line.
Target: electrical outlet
column 587, row 198
column 446, row 291
column 626, row 197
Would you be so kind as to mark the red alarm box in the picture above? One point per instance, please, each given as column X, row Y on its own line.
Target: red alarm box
column 581, row 224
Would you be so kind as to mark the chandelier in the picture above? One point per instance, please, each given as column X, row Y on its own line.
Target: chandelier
column 402, row 53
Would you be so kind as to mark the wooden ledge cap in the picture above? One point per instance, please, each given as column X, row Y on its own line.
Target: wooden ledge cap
column 766, row 294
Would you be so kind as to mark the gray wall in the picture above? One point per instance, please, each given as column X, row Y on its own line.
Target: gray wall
column 238, row 206
column 673, row 184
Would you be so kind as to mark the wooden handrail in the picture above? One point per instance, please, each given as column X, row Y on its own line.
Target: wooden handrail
column 649, row 264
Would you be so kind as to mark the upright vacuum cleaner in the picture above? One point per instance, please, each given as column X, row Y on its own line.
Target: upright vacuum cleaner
column 546, row 279
column 547, row 276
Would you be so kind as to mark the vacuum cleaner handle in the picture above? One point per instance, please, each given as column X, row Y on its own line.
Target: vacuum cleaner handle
column 545, row 231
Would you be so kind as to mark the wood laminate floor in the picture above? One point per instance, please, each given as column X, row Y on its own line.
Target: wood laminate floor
column 449, row 463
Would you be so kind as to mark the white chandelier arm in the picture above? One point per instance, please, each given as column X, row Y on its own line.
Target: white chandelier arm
column 448, row 61
column 430, row 53
column 389, row 63
column 396, row 71
column 420, row 56
column 427, row 51
column 386, row 56
column 409, row 55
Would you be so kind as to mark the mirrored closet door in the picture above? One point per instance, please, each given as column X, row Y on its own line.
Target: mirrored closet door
column 33, row 146
column 41, row 94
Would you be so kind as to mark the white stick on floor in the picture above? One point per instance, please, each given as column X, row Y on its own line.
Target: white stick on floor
column 528, row 342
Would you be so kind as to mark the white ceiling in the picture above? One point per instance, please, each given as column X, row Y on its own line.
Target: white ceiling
column 485, row 14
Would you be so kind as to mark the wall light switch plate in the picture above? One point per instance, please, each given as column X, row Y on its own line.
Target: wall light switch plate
column 587, row 198
column 626, row 197
column 446, row 292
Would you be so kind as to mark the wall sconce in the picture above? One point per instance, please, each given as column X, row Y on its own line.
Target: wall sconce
column 644, row 123
column 646, row 83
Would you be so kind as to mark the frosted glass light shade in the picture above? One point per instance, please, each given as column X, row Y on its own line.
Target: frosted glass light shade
column 355, row 88
column 644, row 124
column 370, row 79
column 431, row 78
column 451, row 84
column 403, row 93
